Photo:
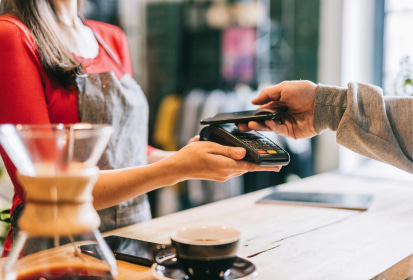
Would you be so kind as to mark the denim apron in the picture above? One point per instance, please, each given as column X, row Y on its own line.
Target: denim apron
column 102, row 98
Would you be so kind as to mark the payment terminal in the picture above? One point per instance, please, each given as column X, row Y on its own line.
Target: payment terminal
column 260, row 149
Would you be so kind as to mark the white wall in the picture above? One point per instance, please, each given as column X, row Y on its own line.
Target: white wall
column 358, row 41
column 330, row 42
column 345, row 54
column 357, row 59
column 329, row 72
column 132, row 17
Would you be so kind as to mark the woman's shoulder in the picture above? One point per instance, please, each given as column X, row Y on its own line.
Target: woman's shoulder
column 10, row 23
column 12, row 30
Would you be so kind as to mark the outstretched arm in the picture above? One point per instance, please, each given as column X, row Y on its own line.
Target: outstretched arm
column 198, row 160
column 366, row 122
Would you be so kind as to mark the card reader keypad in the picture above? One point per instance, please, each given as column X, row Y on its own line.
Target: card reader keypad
column 260, row 143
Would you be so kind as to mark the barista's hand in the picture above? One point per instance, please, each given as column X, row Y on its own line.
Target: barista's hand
column 298, row 121
column 210, row 161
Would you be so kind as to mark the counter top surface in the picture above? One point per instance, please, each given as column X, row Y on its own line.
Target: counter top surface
column 304, row 242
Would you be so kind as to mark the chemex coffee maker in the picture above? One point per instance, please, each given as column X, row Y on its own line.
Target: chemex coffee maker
column 56, row 165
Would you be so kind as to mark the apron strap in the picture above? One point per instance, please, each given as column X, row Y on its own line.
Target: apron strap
column 107, row 49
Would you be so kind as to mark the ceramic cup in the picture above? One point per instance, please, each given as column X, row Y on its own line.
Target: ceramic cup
column 203, row 252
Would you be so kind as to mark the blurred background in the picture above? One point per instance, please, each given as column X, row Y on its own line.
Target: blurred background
column 195, row 58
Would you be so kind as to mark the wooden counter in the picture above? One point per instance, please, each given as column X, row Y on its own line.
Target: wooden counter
column 300, row 242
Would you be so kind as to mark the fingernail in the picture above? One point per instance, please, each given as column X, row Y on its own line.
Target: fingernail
column 240, row 151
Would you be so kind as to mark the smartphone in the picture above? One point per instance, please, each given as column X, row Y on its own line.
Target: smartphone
column 244, row 116
column 128, row 249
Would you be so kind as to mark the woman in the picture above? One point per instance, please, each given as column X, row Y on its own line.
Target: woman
column 58, row 68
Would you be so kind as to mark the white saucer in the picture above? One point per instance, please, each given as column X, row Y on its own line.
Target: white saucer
column 242, row 269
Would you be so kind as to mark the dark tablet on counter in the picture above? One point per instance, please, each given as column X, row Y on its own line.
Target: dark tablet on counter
column 359, row 202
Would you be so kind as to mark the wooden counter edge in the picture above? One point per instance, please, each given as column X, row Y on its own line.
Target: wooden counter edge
column 400, row 271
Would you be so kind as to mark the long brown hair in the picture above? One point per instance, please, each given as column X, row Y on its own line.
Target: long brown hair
column 41, row 19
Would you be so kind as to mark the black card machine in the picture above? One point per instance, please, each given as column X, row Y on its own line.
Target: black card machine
column 260, row 149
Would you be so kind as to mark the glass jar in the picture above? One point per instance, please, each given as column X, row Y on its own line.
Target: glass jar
column 56, row 166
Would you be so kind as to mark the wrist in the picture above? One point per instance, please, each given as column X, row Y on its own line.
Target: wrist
column 169, row 171
column 158, row 155
column 329, row 106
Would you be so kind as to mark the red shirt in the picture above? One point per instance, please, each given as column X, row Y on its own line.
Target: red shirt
column 29, row 96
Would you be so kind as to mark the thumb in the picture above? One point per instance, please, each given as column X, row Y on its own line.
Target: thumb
column 232, row 152
column 237, row 153
column 267, row 95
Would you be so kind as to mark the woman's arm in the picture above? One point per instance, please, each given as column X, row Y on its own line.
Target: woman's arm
column 22, row 98
column 197, row 160
column 157, row 155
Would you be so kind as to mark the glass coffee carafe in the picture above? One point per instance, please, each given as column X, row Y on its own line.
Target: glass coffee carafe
column 56, row 165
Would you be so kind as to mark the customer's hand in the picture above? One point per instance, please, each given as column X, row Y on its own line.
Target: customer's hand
column 211, row 161
column 298, row 121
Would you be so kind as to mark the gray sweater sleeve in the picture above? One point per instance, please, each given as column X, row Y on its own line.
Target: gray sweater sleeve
column 367, row 122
